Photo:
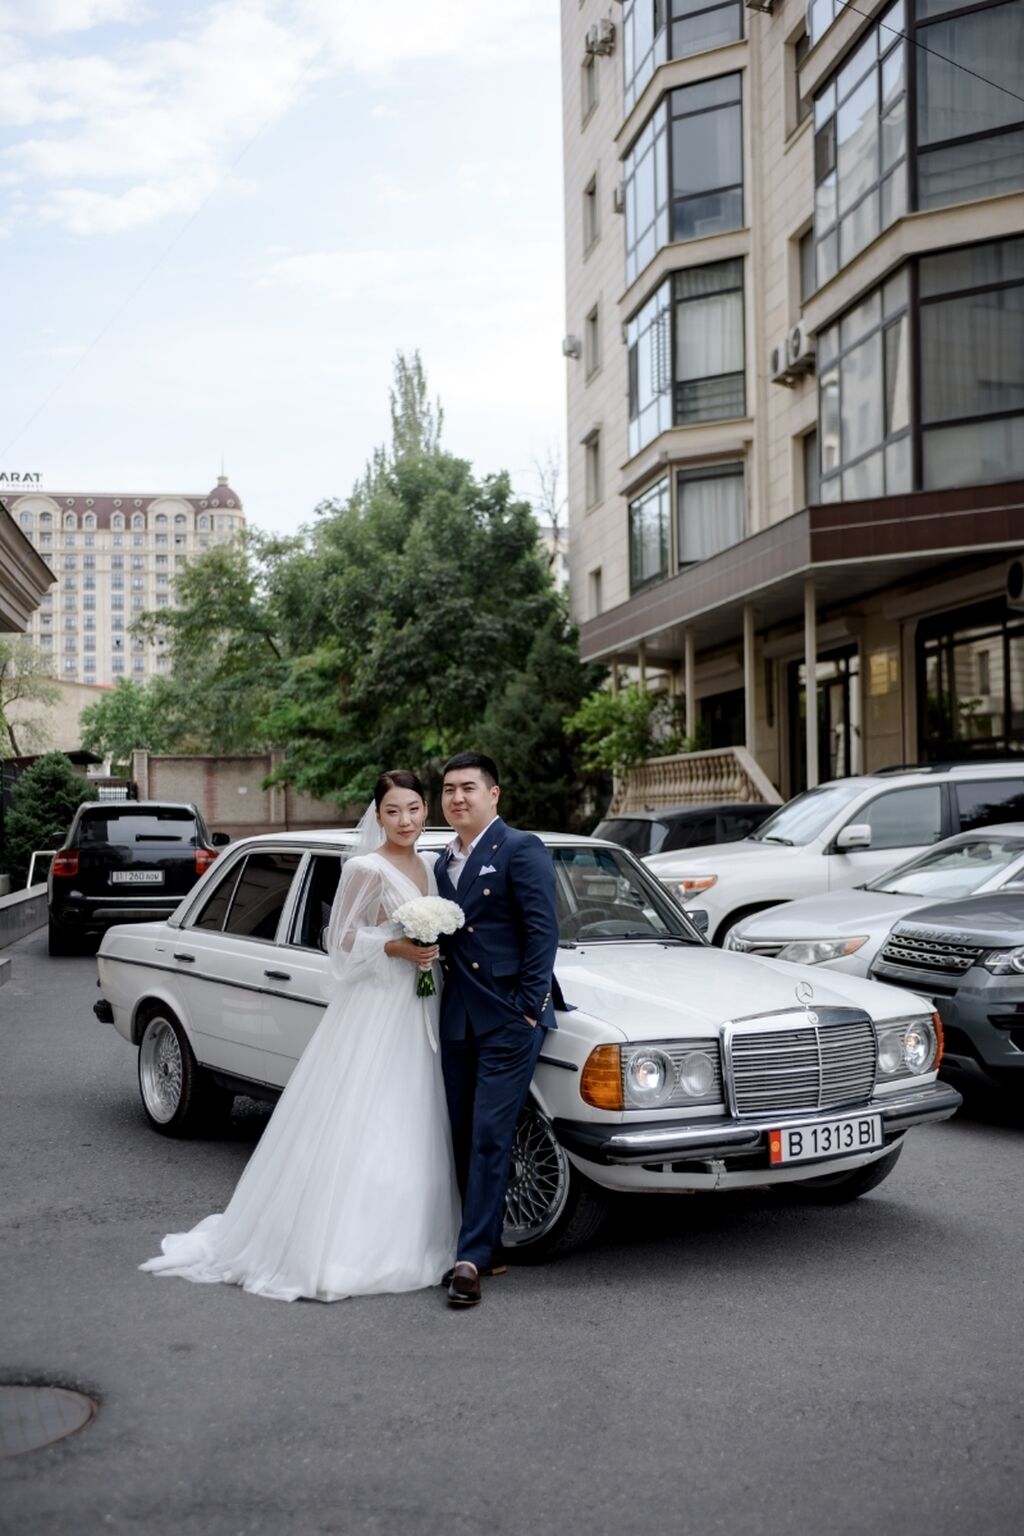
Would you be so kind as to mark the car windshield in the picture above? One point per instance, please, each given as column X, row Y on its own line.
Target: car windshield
column 604, row 894
column 951, row 871
column 805, row 817
column 632, row 832
column 123, row 827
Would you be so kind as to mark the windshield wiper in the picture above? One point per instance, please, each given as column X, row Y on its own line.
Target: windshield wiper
column 772, row 838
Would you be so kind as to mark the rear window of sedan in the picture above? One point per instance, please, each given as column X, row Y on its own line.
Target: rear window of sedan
column 124, row 828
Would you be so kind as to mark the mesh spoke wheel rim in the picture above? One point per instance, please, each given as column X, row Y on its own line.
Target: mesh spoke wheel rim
column 539, row 1184
column 161, row 1070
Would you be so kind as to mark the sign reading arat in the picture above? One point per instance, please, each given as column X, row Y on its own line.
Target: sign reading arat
column 13, row 477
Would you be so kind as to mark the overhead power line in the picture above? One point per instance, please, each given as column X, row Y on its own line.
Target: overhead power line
column 954, row 64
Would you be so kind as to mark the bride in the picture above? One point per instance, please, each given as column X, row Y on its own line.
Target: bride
column 351, row 1189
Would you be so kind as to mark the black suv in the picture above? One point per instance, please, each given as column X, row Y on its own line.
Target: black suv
column 125, row 861
column 682, row 826
column 968, row 956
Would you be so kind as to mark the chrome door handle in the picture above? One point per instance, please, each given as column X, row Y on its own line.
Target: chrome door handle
column 278, row 975
column 190, row 958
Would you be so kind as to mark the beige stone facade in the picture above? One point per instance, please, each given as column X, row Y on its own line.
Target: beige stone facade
column 113, row 556
column 855, row 517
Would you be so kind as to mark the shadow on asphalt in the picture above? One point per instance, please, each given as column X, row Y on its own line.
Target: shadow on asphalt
column 989, row 1106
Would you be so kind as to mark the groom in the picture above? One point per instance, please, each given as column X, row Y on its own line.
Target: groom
column 496, row 1000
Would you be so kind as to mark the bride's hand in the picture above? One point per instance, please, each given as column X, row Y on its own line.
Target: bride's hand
column 407, row 949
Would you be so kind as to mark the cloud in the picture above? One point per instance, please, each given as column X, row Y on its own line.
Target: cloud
column 51, row 17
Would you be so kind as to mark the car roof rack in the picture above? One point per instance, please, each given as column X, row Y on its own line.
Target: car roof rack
column 962, row 765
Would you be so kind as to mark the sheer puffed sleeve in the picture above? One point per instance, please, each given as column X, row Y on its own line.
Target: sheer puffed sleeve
column 360, row 924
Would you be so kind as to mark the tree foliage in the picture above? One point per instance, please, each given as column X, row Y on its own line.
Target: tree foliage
column 25, row 677
column 132, row 716
column 616, row 731
column 44, row 800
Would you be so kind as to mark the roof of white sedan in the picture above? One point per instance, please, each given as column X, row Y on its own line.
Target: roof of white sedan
column 437, row 837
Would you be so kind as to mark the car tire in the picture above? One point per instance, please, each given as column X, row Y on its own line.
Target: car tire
column 61, row 943
column 179, row 1097
column 550, row 1209
column 839, row 1188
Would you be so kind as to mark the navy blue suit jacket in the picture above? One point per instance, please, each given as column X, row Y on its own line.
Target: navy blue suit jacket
column 499, row 967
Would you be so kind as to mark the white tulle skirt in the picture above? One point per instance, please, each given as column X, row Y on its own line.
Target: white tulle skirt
column 351, row 1190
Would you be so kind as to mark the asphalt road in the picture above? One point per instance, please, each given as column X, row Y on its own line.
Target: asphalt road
column 726, row 1364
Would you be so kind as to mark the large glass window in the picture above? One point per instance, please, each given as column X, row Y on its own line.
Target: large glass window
column 648, row 536
column 686, row 352
column 972, row 375
column 860, row 168
column 711, row 511
column 864, row 430
column 970, row 116
column 654, row 31
column 968, row 706
column 684, row 173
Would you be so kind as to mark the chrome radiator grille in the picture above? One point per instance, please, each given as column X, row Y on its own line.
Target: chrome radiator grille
column 805, row 1067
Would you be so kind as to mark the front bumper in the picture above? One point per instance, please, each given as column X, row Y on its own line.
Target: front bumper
column 982, row 1015
column 698, row 1141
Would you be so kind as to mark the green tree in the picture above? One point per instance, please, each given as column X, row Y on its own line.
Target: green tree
column 25, row 677
column 132, row 715
column 616, row 731
column 44, row 801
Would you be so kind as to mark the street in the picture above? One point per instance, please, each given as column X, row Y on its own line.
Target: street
column 729, row 1365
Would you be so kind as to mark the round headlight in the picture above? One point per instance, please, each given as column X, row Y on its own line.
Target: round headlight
column 919, row 1045
column 649, row 1077
column 697, row 1074
column 890, row 1052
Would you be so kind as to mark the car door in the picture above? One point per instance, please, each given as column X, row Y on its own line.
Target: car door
column 226, row 955
column 295, row 1001
column 903, row 822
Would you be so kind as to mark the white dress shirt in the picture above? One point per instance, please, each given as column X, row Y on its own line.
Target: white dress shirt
column 456, row 857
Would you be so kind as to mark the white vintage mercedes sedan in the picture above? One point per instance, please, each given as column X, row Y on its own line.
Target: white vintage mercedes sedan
column 675, row 1066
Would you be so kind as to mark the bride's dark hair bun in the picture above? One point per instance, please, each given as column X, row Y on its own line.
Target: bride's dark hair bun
column 397, row 778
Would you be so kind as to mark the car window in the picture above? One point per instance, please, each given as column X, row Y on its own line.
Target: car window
column 690, row 833
column 630, row 832
column 260, row 894
column 736, row 824
column 601, row 894
column 124, row 828
column 951, row 871
column 211, row 914
column 314, row 909
column 903, row 818
column 984, row 803
column 806, row 816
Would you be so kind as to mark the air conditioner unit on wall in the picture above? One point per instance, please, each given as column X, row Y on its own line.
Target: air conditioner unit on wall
column 778, row 363
column 1015, row 585
column 619, row 198
column 605, row 37
column 800, row 349
column 759, row 5
column 571, row 346
column 590, row 40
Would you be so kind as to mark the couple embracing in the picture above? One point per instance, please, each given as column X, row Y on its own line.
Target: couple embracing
column 385, row 1163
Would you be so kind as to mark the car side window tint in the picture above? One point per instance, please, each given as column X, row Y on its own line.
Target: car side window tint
column 988, row 801
column 903, row 818
column 688, row 831
column 314, row 912
column 732, row 825
column 212, row 913
column 261, row 893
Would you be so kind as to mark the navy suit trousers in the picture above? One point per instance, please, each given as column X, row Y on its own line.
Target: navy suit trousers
column 486, row 1078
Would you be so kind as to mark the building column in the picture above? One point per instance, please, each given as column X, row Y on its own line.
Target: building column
column 641, row 661
column 690, row 684
column 811, row 680
column 614, row 680
column 749, row 696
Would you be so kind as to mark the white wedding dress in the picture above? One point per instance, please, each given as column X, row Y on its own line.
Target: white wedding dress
column 351, row 1189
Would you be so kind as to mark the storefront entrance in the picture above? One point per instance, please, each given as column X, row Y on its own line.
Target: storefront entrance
column 970, row 684
column 839, row 733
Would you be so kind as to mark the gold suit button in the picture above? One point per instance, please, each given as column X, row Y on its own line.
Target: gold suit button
column 487, row 890
column 476, row 965
column 470, row 930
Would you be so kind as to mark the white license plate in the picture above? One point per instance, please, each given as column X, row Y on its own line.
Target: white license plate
column 825, row 1138
column 138, row 877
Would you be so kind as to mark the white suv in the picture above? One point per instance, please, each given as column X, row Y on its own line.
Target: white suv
column 839, row 835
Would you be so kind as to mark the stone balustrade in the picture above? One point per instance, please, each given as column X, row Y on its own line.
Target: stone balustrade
column 720, row 776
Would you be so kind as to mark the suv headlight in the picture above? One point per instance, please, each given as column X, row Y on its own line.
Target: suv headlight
column 694, row 883
column 817, row 951
column 655, row 1074
column 1004, row 962
column 910, row 1047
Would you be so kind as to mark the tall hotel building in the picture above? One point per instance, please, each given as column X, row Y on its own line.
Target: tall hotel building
column 112, row 558
column 795, row 317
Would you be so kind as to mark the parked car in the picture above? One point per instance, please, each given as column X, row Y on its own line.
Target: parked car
column 841, row 834
column 675, row 1067
column 122, row 861
column 968, row 956
column 682, row 826
column 845, row 931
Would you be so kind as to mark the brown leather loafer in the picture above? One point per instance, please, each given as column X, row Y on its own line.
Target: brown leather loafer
column 497, row 1268
column 464, row 1290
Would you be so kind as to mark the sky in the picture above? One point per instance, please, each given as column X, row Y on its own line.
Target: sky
column 219, row 222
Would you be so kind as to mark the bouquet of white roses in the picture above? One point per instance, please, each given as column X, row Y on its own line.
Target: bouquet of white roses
column 424, row 921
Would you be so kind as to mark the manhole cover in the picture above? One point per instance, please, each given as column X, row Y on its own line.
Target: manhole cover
column 31, row 1417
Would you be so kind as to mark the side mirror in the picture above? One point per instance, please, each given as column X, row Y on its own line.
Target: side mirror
column 219, row 839
column 699, row 919
column 856, row 835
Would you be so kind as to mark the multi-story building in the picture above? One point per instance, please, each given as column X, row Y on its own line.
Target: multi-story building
column 795, row 301
column 115, row 557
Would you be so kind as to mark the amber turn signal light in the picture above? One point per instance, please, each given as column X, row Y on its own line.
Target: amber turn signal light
column 601, row 1083
column 936, row 1020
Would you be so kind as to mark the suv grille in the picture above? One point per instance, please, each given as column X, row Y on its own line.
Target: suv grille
column 812, row 1066
column 930, row 954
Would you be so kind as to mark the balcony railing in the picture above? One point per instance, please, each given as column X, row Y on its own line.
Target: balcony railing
column 693, row 778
